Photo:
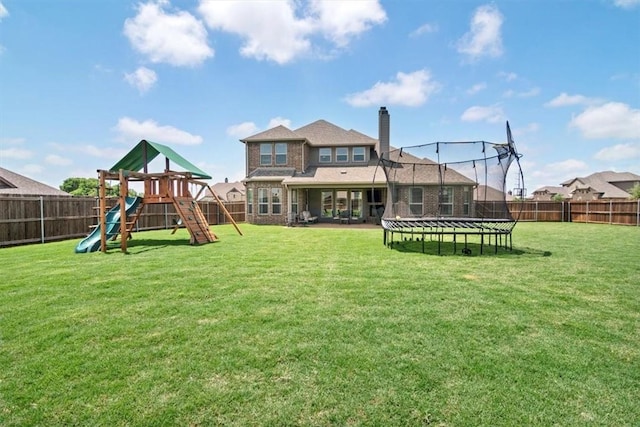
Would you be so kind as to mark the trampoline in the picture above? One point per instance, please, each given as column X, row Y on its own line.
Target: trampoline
column 452, row 191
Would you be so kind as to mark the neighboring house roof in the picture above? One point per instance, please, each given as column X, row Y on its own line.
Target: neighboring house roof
column 143, row 153
column 602, row 182
column 319, row 133
column 548, row 189
column 222, row 189
column 12, row 183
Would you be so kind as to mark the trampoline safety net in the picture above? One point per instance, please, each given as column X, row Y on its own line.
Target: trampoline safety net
column 454, row 189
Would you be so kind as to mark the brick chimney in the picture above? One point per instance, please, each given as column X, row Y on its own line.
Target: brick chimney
column 383, row 131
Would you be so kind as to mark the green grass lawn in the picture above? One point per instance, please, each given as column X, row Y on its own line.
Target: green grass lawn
column 311, row 326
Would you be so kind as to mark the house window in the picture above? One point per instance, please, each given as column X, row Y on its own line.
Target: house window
column 294, row 201
column 356, row 204
column 263, row 201
column 446, row 201
column 466, row 197
column 325, row 155
column 327, row 204
column 342, row 154
column 281, row 153
column 276, row 201
column 358, row 154
column 265, row 154
column 341, row 201
column 249, row 201
column 415, row 201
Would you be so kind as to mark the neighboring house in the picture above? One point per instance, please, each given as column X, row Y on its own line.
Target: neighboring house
column 226, row 191
column 14, row 184
column 602, row 185
column 330, row 171
column 549, row 193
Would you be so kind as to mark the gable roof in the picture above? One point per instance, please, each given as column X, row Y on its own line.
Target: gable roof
column 601, row 182
column 12, row 183
column 320, row 133
column 143, row 153
column 279, row 132
column 222, row 189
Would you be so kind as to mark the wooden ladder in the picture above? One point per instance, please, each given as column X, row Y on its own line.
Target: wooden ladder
column 194, row 220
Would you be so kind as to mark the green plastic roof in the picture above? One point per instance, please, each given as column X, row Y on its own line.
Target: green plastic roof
column 143, row 153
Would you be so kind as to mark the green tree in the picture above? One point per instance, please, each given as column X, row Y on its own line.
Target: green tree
column 86, row 187
column 557, row 198
column 635, row 192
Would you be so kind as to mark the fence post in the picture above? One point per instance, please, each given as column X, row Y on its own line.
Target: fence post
column 638, row 214
column 610, row 212
column 41, row 219
column 587, row 220
column 536, row 216
column 562, row 211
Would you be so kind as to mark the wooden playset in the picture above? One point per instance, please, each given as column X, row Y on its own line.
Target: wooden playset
column 168, row 187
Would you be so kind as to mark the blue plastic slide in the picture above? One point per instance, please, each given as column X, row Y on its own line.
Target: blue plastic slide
column 91, row 243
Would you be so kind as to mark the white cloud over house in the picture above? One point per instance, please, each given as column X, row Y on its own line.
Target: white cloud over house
column 131, row 130
column 408, row 89
column 565, row 99
column 281, row 31
column 609, row 120
column 484, row 38
column 619, row 152
column 490, row 114
column 176, row 38
column 242, row 130
column 142, row 79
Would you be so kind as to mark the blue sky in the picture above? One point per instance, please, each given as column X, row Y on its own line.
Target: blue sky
column 81, row 82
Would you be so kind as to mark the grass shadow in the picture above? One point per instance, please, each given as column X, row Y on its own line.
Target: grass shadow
column 447, row 248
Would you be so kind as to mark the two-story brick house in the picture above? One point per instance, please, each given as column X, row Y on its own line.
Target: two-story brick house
column 327, row 170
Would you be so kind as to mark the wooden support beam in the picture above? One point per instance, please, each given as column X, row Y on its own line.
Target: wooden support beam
column 224, row 209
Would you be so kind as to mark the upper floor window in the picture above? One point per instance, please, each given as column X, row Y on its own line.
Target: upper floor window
column 265, row 154
column 281, row 153
column 342, row 154
column 358, row 154
column 325, row 155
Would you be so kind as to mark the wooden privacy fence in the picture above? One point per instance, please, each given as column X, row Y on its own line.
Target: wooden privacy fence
column 621, row 212
column 43, row 219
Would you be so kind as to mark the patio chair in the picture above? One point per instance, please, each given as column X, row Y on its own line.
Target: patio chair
column 343, row 217
column 306, row 218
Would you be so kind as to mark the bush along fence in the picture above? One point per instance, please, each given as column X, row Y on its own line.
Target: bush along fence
column 25, row 220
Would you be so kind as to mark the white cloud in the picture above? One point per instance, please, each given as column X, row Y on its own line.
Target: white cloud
column 610, row 120
column 626, row 4
column 15, row 153
column 565, row 99
column 490, row 114
column 535, row 91
column 339, row 21
column 142, row 79
column 177, row 38
column 54, row 159
column 3, row 11
column 277, row 121
column 243, row 129
column 409, row 89
column 133, row 130
column 424, row 29
column 477, row 88
column 484, row 37
column 507, row 76
column 280, row 31
column 619, row 152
